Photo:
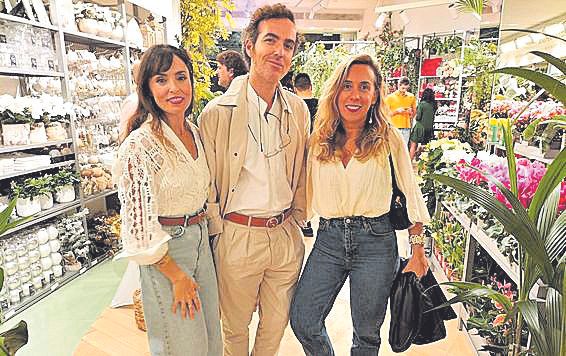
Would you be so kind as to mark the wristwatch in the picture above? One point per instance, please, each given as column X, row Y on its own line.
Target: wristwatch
column 417, row 239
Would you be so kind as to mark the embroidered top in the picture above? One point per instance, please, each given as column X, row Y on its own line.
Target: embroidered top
column 156, row 179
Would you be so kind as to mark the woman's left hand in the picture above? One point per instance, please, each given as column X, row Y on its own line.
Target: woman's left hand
column 418, row 263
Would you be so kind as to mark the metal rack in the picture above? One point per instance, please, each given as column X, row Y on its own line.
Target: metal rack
column 61, row 37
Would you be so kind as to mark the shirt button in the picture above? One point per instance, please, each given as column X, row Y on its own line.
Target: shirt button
column 233, row 190
column 236, row 154
column 348, row 221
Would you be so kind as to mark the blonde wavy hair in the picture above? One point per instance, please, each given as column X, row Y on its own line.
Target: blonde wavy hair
column 328, row 137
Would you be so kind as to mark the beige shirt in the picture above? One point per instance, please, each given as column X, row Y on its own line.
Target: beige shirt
column 156, row 179
column 364, row 188
column 264, row 190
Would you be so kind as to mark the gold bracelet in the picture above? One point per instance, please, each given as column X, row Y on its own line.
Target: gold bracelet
column 417, row 239
column 163, row 261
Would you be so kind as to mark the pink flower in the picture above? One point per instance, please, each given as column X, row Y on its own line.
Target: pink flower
column 499, row 320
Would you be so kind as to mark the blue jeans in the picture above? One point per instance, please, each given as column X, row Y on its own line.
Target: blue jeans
column 168, row 333
column 365, row 249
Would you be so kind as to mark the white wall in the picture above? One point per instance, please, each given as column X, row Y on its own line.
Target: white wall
column 170, row 10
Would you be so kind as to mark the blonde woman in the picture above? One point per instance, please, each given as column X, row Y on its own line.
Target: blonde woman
column 349, row 184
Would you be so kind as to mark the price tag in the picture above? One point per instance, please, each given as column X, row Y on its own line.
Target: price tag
column 95, row 262
column 9, row 314
column 54, row 286
column 83, row 270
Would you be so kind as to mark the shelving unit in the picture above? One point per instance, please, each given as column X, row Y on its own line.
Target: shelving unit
column 63, row 38
column 443, row 119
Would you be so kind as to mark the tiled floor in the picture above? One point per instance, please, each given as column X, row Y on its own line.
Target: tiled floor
column 80, row 310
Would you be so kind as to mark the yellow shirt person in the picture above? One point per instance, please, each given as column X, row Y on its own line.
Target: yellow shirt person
column 403, row 107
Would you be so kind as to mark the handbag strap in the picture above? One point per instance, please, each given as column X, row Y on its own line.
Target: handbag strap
column 393, row 180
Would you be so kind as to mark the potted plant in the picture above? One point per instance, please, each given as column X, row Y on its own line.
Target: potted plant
column 46, row 191
column 38, row 134
column 63, row 183
column 27, row 195
column 56, row 124
column 15, row 126
column 433, row 46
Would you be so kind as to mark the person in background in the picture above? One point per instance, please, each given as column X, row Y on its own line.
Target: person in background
column 163, row 183
column 349, row 185
column 255, row 139
column 130, row 104
column 303, row 89
column 231, row 64
column 423, row 130
column 402, row 105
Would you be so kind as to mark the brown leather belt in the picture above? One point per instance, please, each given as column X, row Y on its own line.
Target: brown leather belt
column 259, row 222
column 184, row 221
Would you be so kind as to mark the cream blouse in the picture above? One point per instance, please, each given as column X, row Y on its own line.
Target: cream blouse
column 156, row 179
column 364, row 188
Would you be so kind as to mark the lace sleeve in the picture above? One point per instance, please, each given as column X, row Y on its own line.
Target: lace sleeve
column 135, row 171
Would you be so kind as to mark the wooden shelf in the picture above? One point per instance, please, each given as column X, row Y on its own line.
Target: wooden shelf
column 38, row 169
column 6, row 149
column 487, row 243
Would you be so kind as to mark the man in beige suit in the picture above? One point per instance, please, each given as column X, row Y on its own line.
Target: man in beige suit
column 255, row 141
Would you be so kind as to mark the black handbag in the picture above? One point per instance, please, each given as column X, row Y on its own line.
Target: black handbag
column 398, row 209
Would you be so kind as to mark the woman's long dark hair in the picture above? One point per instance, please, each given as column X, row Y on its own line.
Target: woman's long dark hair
column 428, row 96
column 157, row 59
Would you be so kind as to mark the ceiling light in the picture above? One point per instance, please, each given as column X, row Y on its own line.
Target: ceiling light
column 311, row 14
column 555, row 29
column 380, row 20
column 453, row 11
column 404, row 17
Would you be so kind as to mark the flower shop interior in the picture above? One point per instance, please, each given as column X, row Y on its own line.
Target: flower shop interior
column 493, row 176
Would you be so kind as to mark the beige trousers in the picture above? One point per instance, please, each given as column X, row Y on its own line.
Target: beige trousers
column 257, row 265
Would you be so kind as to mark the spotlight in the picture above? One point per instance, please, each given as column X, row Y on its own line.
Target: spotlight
column 453, row 11
column 404, row 17
column 380, row 20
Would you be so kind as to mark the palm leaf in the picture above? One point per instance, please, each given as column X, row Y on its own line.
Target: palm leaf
column 531, row 316
column 555, row 174
column 533, row 31
column 562, row 268
column 473, row 6
column 13, row 339
column 555, row 243
column 511, row 161
column 1, row 278
column 466, row 291
column 557, row 62
column 551, row 85
column 530, row 131
column 548, row 214
column 5, row 214
column 553, row 317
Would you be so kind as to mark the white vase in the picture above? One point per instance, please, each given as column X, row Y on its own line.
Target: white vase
column 88, row 26
column 104, row 29
column 56, row 132
column 28, row 206
column 118, row 33
column 37, row 133
column 46, row 201
column 65, row 194
column 15, row 134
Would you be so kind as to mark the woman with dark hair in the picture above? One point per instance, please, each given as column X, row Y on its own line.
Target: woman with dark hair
column 349, row 184
column 163, row 180
column 423, row 131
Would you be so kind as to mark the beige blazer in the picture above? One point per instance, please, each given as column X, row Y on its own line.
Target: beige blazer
column 224, row 132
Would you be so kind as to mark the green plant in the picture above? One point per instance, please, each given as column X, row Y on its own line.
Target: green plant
column 540, row 232
column 472, row 6
column 12, row 340
column 201, row 28
column 28, row 188
column 434, row 45
column 8, row 117
column 64, row 177
column 451, row 44
column 480, row 57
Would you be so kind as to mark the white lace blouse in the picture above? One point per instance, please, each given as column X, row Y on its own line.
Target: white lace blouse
column 156, row 179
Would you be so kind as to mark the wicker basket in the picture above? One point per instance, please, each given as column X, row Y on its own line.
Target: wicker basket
column 138, row 310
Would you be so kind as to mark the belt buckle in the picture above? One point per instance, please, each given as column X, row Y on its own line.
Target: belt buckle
column 272, row 222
